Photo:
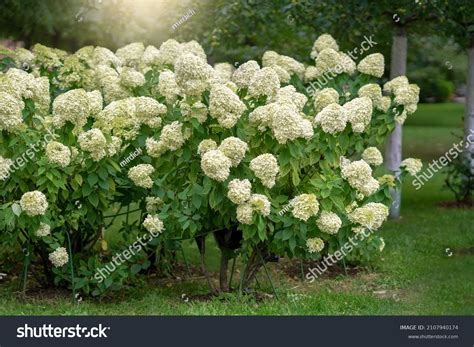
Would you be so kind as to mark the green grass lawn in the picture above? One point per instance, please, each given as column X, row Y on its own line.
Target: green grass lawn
column 432, row 130
column 426, row 268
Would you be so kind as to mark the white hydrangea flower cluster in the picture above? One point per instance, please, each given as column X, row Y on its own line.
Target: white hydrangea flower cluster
column 75, row 106
column 123, row 118
column 104, row 56
column 131, row 78
column 374, row 93
column 224, row 72
column 245, row 214
column 168, row 87
column 239, row 191
column 289, row 95
column 284, row 119
column 108, row 79
column 315, row 245
column 192, row 74
column 216, row 165
column 311, row 73
column 43, row 230
column 359, row 175
column 262, row 116
column 322, row 42
column 373, row 65
column 260, row 203
column 206, row 146
column 359, row 113
column 153, row 203
column 151, row 56
column 289, row 65
column 245, row 73
column 412, row 165
column 234, row 149
column 329, row 222
column 370, row 216
column 325, row 97
column 140, row 175
column 406, row 94
column 34, row 203
column 328, row 60
column 387, row 179
column 74, row 72
column 264, row 82
column 332, row 119
column 24, row 57
column 225, row 106
column 10, row 111
column 115, row 146
column 59, row 257
column 217, row 161
column 155, row 148
column 58, row 153
column 16, row 85
column 131, row 54
column 265, row 167
column 94, row 142
column 257, row 203
column 153, row 224
column 305, row 206
column 288, row 124
column 172, row 136
column 49, row 58
column 5, row 165
column 372, row 156
column 171, row 50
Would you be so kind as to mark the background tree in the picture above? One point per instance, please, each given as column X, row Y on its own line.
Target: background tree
column 457, row 19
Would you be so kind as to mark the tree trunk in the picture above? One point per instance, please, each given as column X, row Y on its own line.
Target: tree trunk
column 469, row 110
column 393, row 149
column 224, row 284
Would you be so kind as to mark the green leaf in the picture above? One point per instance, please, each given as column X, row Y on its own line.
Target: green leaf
column 94, row 199
column 92, row 179
column 196, row 200
column 78, row 179
column 16, row 208
column 136, row 268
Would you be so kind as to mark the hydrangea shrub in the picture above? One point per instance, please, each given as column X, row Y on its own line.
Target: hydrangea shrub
column 254, row 151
